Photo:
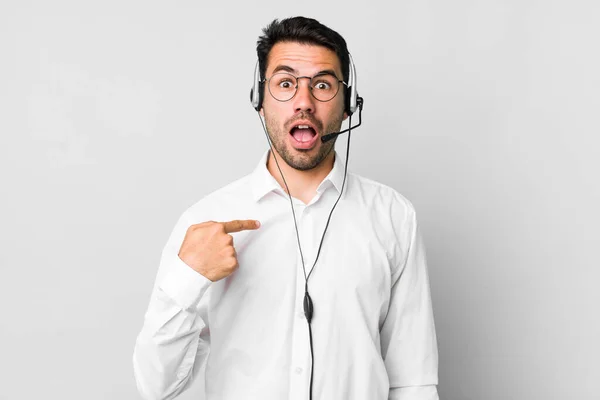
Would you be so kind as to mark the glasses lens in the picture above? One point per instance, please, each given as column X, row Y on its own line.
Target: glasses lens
column 282, row 86
column 324, row 87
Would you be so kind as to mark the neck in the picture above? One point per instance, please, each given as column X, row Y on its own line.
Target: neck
column 302, row 184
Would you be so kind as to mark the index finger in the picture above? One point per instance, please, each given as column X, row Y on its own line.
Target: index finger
column 239, row 225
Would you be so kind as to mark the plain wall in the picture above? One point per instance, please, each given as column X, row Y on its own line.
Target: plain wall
column 115, row 116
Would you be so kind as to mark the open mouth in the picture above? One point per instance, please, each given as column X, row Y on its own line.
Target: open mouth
column 303, row 133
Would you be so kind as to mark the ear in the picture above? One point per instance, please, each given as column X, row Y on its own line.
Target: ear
column 262, row 112
column 345, row 116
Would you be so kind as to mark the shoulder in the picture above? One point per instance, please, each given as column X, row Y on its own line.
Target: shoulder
column 380, row 196
column 230, row 197
column 392, row 215
column 223, row 204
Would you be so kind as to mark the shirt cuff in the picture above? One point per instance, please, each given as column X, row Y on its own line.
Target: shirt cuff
column 184, row 285
column 427, row 392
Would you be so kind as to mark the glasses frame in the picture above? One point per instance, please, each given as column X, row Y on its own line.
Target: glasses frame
column 310, row 78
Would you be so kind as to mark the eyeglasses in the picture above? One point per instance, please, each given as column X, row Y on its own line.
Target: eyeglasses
column 323, row 86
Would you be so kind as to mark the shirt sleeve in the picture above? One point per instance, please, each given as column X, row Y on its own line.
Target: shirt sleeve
column 174, row 340
column 408, row 339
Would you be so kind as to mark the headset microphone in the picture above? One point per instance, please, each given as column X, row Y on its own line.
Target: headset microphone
column 333, row 135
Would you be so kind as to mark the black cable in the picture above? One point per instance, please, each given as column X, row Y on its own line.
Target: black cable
column 308, row 304
column 288, row 192
column 339, row 197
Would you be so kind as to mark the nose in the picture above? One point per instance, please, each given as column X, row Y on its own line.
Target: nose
column 304, row 100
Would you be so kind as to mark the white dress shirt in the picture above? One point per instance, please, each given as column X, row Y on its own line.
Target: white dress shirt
column 373, row 330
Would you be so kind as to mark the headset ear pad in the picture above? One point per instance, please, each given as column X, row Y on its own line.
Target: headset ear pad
column 259, row 102
column 347, row 92
column 256, row 99
column 261, row 94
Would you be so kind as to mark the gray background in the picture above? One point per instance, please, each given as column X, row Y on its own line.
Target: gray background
column 117, row 115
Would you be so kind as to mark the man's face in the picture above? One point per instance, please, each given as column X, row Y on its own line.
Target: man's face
column 300, row 148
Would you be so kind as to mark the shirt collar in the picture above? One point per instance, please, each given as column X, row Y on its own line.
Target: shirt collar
column 263, row 182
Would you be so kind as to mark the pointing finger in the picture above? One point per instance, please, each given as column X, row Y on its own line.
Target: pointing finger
column 239, row 225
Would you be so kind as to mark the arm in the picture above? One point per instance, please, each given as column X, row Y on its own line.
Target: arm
column 174, row 340
column 408, row 339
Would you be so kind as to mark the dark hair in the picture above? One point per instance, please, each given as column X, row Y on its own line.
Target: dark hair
column 301, row 30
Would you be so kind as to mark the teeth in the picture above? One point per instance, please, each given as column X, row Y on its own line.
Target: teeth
column 303, row 127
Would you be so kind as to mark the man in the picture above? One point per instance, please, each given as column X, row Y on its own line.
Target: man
column 232, row 295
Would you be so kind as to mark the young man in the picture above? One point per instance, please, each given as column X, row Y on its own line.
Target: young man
column 234, row 294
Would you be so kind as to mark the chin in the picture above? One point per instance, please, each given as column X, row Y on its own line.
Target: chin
column 306, row 159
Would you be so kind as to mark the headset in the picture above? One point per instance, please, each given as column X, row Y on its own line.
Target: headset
column 351, row 97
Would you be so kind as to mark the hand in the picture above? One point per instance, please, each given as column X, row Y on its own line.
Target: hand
column 208, row 247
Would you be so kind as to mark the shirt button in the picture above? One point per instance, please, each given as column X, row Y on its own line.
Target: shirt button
column 298, row 370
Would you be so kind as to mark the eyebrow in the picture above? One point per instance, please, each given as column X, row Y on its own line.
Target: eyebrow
column 326, row 72
column 284, row 68
column 287, row 68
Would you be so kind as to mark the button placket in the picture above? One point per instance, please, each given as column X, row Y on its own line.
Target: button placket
column 308, row 240
column 300, row 357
